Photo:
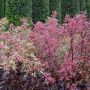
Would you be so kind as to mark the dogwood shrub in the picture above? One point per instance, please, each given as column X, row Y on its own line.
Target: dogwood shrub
column 64, row 48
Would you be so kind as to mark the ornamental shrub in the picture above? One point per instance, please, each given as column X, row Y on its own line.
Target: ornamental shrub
column 15, row 9
column 17, row 58
column 40, row 10
column 64, row 50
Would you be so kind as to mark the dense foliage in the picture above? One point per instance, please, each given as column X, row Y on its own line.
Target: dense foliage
column 15, row 9
column 70, row 7
column 82, row 5
column 2, row 7
column 46, row 56
column 88, row 7
column 40, row 10
column 55, row 5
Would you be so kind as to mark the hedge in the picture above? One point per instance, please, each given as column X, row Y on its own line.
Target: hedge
column 18, row 8
column 40, row 10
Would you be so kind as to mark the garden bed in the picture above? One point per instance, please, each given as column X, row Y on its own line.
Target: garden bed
column 46, row 56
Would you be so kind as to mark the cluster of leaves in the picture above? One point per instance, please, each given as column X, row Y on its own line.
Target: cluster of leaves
column 19, row 67
column 46, row 56
column 14, row 46
column 4, row 24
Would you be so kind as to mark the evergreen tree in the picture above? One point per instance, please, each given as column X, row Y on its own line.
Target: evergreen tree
column 82, row 5
column 18, row 8
column 70, row 7
column 88, row 7
column 2, row 3
column 40, row 10
column 55, row 5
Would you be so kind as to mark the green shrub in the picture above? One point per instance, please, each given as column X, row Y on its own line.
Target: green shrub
column 15, row 9
column 2, row 8
column 55, row 5
column 40, row 10
column 70, row 7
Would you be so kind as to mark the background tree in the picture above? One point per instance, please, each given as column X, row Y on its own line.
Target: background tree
column 40, row 10
column 18, row 8
column 70, row 7
column 2, row 4
column 82, row 5
column 88, row 7
column 55, row 5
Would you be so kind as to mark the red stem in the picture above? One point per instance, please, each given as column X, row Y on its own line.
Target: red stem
column 72, row 46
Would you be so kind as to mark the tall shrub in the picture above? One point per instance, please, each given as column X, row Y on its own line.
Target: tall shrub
column 1, row 8
column 88, row 7
column 40, row 10
column 55, row 5
column 70, row 7
column 18, row 8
